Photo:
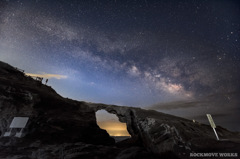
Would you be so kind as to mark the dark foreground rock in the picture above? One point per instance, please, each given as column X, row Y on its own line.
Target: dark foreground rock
column 63, row 128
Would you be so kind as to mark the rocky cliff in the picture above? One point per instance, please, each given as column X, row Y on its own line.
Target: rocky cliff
column 63, row 128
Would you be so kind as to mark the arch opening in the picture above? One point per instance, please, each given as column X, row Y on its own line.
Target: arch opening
column 112, row 125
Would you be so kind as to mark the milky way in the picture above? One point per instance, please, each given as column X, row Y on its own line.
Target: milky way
column 135, row 53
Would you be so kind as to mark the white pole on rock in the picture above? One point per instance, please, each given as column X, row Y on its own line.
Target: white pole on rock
column 210, row 119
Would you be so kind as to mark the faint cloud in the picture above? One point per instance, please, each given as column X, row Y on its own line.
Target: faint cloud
column 44, row 75
column 176, row 105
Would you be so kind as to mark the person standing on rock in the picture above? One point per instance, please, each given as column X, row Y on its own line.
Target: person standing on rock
column 46, row 81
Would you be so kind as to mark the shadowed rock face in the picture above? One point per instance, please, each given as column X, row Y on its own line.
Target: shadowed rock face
column 53, row 119
column 161, row 133
column 63, row 127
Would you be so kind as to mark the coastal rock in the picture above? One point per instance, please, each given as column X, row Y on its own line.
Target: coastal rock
column 63, row 128
column 53, row 119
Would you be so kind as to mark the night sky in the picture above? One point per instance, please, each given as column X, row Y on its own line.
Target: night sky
column 131, row 52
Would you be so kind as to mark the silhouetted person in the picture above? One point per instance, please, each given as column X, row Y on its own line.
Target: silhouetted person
column 46, row 81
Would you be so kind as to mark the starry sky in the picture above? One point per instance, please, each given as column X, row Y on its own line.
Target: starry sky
column 130, row 52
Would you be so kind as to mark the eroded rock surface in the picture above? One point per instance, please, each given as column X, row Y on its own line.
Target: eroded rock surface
column 53, row 119
column 64, row 128
column 162, row 133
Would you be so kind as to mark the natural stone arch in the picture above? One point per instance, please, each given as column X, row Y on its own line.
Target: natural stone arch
column 110, row 122
column 125, row 114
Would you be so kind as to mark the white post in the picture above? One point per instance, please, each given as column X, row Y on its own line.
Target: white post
column 215, row 133
column 212, row 124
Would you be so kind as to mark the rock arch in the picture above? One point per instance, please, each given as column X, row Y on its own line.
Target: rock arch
column 110, row 122
column 124, row 114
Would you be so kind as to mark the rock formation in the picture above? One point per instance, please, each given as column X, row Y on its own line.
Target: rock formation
column 63, row 128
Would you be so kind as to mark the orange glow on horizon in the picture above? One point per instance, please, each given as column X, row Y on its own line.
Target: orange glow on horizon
column 114, row 128
column 45, row 75
column 111, row 124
